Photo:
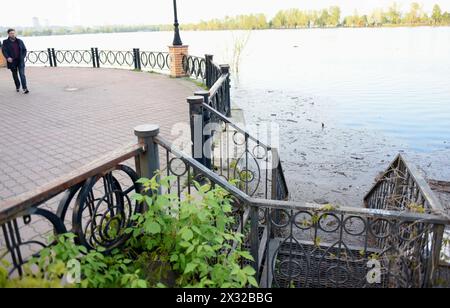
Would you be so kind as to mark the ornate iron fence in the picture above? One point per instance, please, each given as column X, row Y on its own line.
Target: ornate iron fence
column 293, row 244
column 195, row 67
column 396, row 242
column 402, row 187
column 313, row 246
column 155, row 60
column 73, row 57
column 41, row 57
column 233, row 153
column 93, row 202
column 130, row 59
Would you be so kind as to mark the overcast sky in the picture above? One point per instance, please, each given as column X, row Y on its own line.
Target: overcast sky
column 104, row 12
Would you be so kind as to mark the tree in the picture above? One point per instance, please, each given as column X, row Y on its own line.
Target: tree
column 323, row 19
column 335, row 16
column 394, row 16
column 377, row 18
column 437, row 14
column 416, row 15
column 279, row 21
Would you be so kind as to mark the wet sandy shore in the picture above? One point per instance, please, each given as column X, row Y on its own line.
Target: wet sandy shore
column 324, row 161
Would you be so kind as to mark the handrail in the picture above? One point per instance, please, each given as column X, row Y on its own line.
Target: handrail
column 148, row 155
column 216, row 87
column 133, row 59
column 237, row 193
column 278, row 178
column 422, row 184
column 289, row 205
column 351, row 211
column 11, row 207
column 235, row 126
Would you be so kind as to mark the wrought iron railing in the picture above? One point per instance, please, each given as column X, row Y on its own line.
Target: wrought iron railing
column 93, row 202
column 215, row 77
column 195, row 67
column 395, row 242
column 293, row 244
column 130, row 59
column 322, row 246
column 402, row 187
column 233, row 153
column 40, row 57
column 73, row 57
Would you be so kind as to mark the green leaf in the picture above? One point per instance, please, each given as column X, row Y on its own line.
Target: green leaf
column 246, row 255
column 250, row 271
column 148, row 200
column 185, row 244
column 153, row 228
column 142, row 284
column 190, row 268
column 137, row 198
column 253, row 282
column 197, row 230
column 187, row 235
column 190, row 250
column 143, row 181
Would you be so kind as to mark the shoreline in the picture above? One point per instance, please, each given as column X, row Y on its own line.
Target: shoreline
column 336, row 164
column 227, row 30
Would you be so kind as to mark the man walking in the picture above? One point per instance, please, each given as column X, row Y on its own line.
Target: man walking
column 15, row 52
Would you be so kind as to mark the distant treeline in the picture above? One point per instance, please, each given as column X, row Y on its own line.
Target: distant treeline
column 60, row 30
column 284, row 19
column 330, row 17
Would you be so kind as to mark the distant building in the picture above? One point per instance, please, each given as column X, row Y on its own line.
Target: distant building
column 36, row 23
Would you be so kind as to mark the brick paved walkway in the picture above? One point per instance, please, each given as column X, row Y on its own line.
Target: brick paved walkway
column 75, row 115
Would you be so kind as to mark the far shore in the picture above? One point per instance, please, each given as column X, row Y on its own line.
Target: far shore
column 225, row 30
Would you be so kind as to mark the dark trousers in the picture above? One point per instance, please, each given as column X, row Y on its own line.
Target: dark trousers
column 19, row 71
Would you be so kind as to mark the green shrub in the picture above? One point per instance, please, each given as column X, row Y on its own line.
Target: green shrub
column 187, row 243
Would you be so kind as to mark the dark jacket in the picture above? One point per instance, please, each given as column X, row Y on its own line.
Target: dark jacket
column 8, row 52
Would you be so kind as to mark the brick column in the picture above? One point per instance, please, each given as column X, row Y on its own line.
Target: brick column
column 177, row 54
column 2, row 60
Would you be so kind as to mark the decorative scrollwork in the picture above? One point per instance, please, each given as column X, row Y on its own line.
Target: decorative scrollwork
column 104, row 209
column 195, row 67
column 291, row 265
column 116, row 58
column 18, row 251
column 324, row 249
column 37, row 57
column 156, row 60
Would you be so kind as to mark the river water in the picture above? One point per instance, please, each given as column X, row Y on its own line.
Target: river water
column 346, row 101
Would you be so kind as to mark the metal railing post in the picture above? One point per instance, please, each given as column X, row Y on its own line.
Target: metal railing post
column 196, row 122
column 97, row 57
column 254, row 238
column 209, row 60
column 225, row 69
column 137, row 59
column 53, row 53
column 50, row 57
column 275, row 175
column 435, row 260
column 207, row 133
column 94, row 62
column 148, row 164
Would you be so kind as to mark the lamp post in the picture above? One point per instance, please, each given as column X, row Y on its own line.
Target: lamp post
column 178, row 52
column 177, row 39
